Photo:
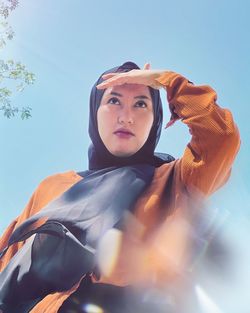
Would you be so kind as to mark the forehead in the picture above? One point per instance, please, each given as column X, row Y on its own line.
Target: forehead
column 129, row 90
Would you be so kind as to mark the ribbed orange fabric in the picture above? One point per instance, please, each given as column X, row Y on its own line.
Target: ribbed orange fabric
column 205, row 166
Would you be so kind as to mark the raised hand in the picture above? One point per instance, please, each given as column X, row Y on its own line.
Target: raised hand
column 146, row 76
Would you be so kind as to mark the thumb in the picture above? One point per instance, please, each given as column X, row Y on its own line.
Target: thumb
column 146, row 66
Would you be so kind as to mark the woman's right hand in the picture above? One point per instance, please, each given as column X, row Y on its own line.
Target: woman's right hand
column 146, row 76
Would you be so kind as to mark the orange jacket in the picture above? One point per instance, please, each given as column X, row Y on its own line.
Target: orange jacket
column 204, row 167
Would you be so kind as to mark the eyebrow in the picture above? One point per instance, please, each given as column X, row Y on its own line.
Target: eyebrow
column 137, row 97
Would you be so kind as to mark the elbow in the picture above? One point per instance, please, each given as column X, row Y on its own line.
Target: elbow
column 231, row 134
column 231, row 139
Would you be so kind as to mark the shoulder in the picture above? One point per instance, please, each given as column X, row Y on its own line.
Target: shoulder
column 167, row 168
column 48, row 189
column 168, row 175
column 63, row 178
column 52, row 187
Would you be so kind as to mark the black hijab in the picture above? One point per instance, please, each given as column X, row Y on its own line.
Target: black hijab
column 71, row 225
column 99, row 156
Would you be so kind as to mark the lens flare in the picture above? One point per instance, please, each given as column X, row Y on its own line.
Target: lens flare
column 92, row 308
column 206, row 303
column 107, row 251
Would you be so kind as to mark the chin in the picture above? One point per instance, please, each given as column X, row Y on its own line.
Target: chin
column 122, row 154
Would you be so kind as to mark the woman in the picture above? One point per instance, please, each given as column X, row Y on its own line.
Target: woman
column 130, row 197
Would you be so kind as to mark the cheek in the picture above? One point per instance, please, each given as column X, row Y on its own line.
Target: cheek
column 104, row 121
column 146, row 123
column 101, row 121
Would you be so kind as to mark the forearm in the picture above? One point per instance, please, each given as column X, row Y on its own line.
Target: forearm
column 208, row 158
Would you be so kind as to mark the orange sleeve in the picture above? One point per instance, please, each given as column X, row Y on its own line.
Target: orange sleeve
column 50, row 188
column 207, row 160
column 10, row 229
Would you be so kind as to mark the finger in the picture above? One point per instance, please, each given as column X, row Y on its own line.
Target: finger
column 146, row 66
column 112, row 82
column 107, row 85
column 109, row 75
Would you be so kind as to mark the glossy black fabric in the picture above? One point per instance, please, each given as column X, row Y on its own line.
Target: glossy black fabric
column 43, row 265
column 94, row 204
column 85, row 211
column 88, row 209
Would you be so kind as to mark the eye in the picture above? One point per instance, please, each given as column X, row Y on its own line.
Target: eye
column 114, row 100
column 141, row 104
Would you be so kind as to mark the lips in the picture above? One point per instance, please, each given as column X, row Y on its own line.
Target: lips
column 124, row 133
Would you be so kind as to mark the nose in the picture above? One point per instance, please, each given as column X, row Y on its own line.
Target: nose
column 125, row 116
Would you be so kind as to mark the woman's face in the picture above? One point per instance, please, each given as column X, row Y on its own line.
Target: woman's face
column 125, row 117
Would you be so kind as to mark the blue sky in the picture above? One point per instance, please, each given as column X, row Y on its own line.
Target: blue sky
column 68, row 44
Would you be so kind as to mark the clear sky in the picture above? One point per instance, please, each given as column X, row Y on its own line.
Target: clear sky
column 68, row 44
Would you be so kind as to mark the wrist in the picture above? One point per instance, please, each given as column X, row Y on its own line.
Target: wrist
column 156, row 82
